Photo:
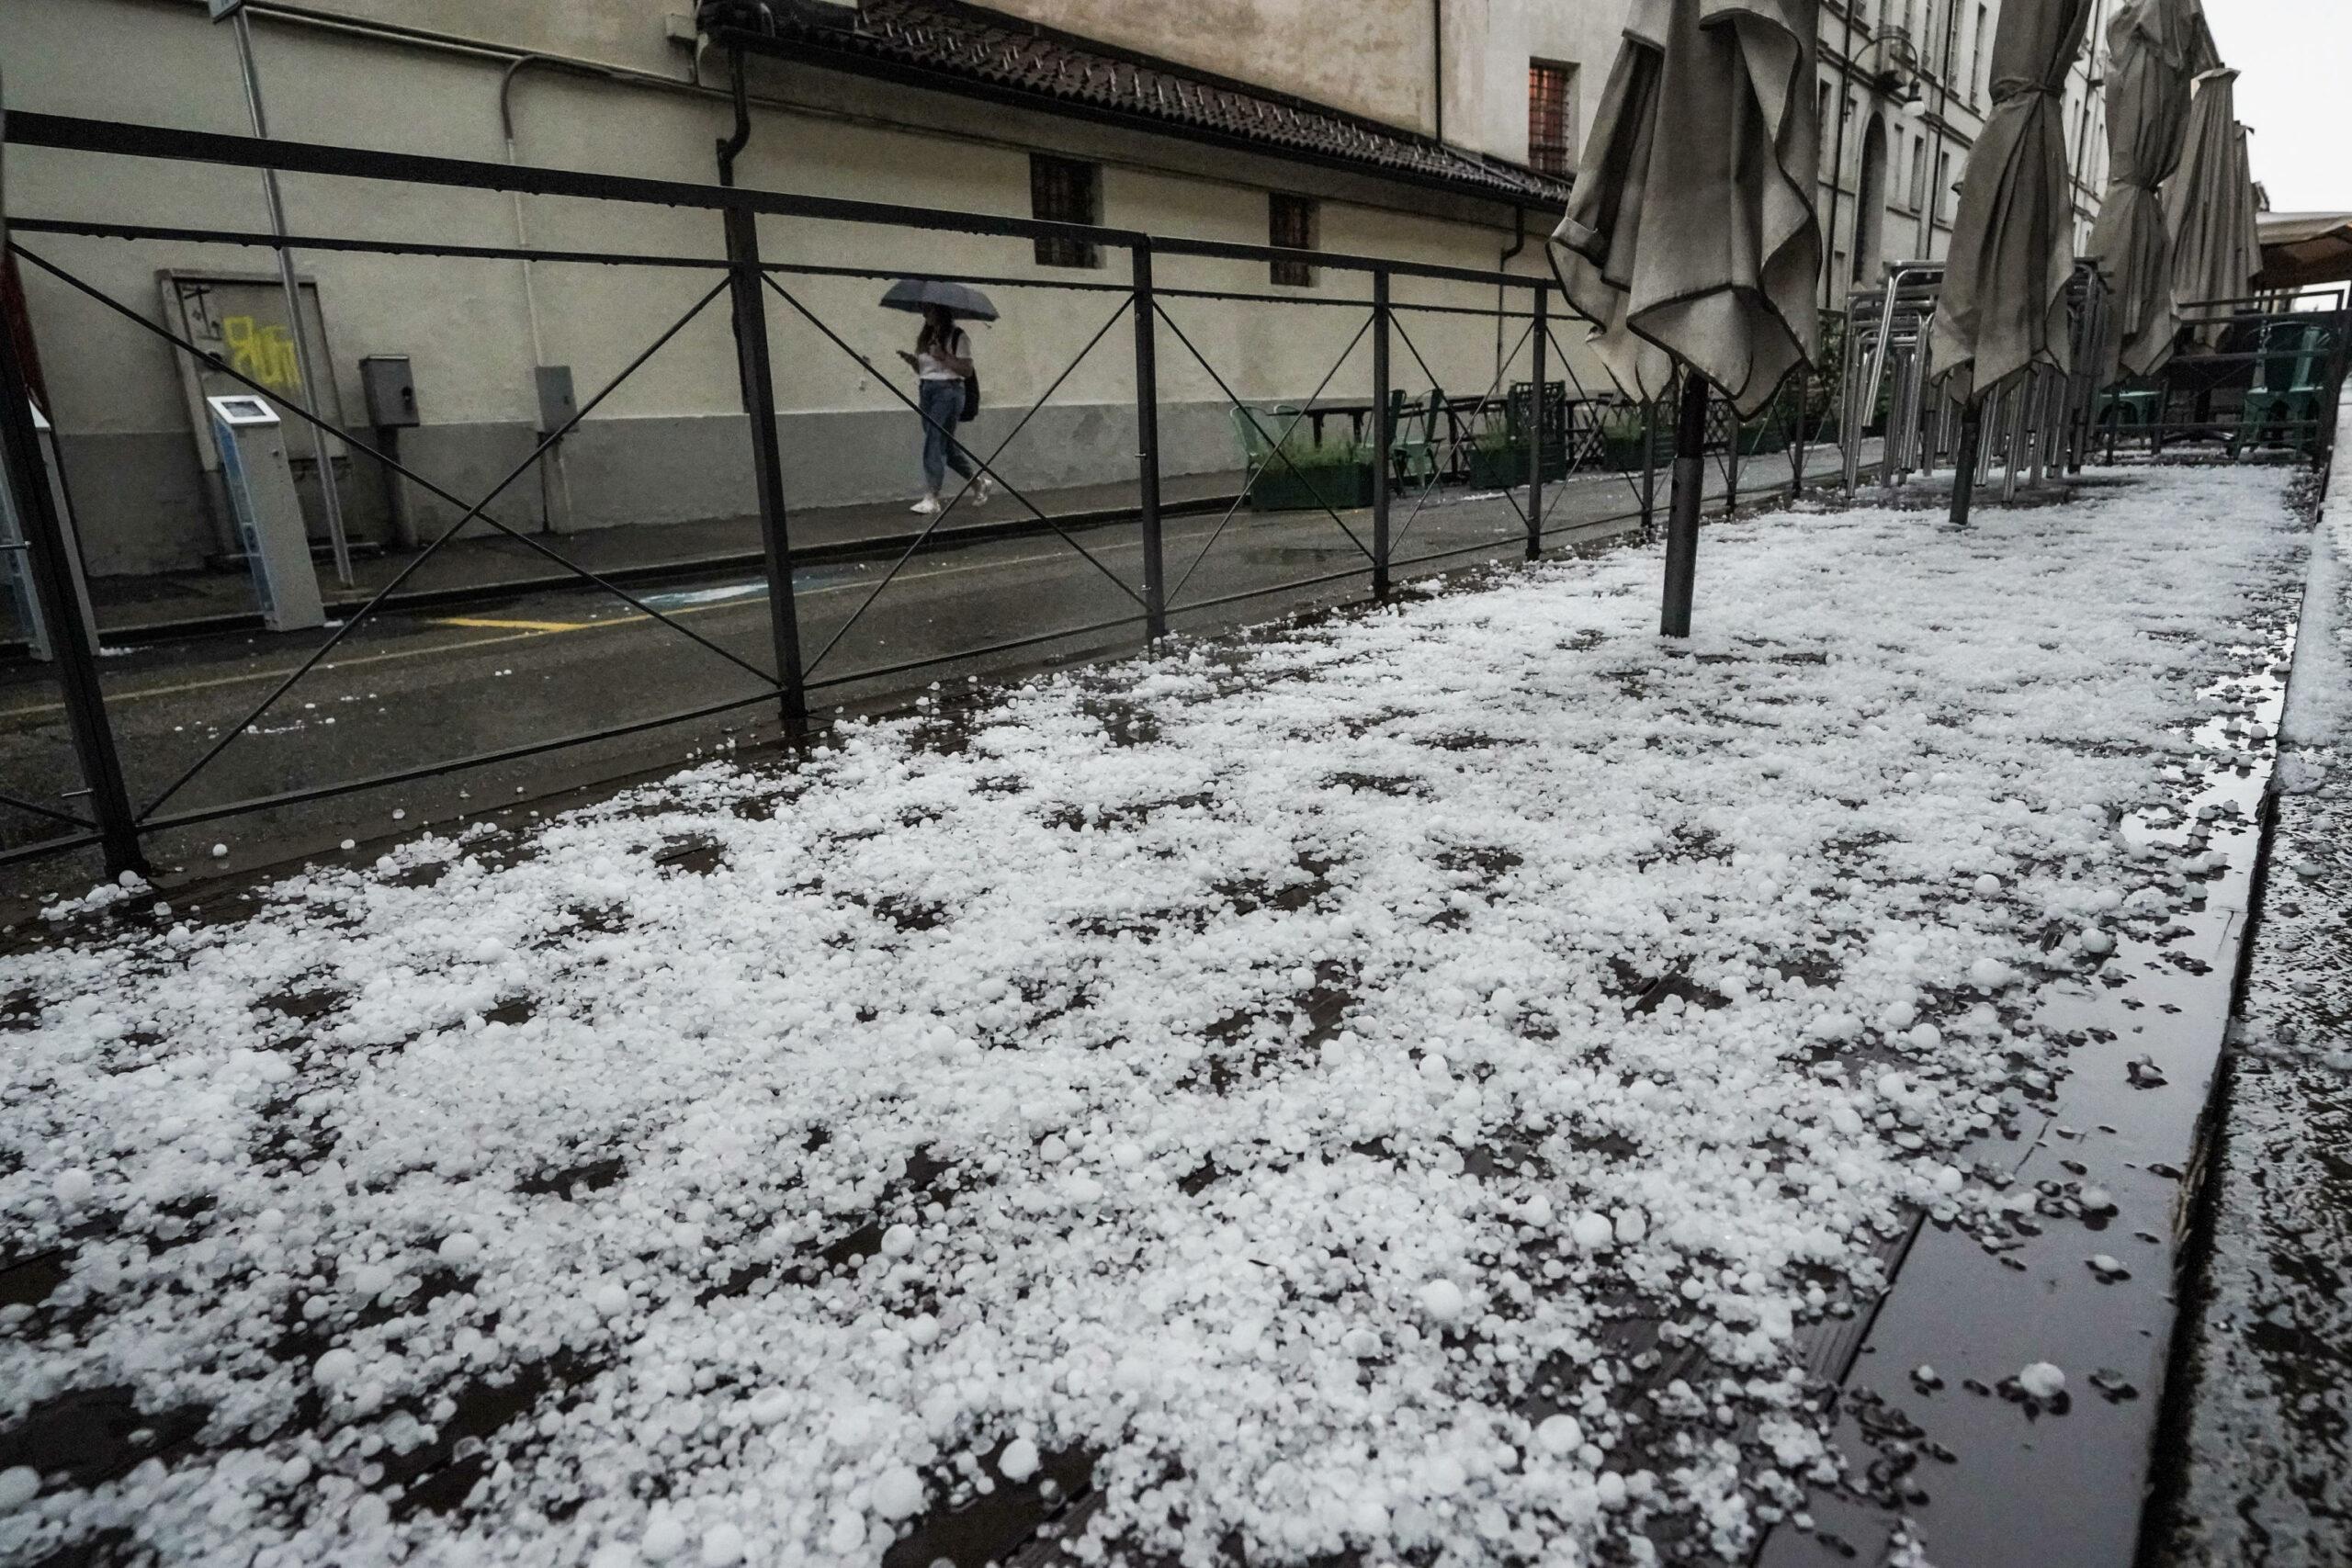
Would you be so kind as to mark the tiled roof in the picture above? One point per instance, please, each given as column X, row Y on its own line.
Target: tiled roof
column 958, row 47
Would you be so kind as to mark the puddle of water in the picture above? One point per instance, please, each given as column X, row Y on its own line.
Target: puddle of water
column 2071, row 1483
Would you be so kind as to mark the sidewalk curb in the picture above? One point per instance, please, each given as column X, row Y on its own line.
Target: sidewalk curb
column 872, row 547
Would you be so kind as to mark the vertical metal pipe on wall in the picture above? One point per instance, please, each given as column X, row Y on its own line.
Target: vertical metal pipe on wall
column 330, row 495
column 555, row 477
column 1437, row 62
column 1155, row 568
column 1931, row 208
column 1838, row 160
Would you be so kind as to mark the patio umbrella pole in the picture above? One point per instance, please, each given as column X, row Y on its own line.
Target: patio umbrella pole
column 1682, row 521
column 1963, row 473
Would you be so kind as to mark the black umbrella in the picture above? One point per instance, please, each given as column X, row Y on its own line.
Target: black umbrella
column 959, row 299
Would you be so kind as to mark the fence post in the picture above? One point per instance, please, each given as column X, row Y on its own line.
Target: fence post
column 1731, row 463
column 767, row 459
column 1649, row 468
column 27, row 475
column 1383, row 437
column 1155, row 566
column 1536, row 410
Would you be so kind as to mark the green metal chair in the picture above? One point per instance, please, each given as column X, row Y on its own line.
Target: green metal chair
column 2129, row 404
column 2290, row 382
column 1257, row 438
column 1412, row 436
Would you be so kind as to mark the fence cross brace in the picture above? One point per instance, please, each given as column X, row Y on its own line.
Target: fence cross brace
column 477, row 510
column 1250, row 475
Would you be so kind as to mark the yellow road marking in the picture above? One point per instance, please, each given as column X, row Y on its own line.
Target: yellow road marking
column 552, row 628
column 513, row 625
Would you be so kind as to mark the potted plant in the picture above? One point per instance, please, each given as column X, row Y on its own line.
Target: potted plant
column 1308, row 478
column 1497, row 460
column 1621, row 438
column 1768, row 434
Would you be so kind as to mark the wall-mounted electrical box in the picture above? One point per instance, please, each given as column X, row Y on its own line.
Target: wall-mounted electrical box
column 390, row 392
column 16, row 555
column 557, row 404
column 260, row 484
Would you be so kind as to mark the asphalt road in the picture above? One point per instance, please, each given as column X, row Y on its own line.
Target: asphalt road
column 418, row 690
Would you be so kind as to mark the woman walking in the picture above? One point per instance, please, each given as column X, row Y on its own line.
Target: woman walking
column 943, row 364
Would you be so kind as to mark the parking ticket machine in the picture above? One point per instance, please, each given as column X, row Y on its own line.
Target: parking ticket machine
column 260, row 482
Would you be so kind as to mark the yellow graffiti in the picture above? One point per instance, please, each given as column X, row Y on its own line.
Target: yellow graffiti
column 266, row 353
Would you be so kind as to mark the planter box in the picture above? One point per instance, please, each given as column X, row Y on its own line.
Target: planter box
column 1499, row 469
column 1624, row 452
column 1311, row 487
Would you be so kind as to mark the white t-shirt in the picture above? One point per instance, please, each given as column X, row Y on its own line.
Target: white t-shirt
column 929, row 367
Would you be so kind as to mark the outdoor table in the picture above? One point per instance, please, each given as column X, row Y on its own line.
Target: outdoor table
column 1357, row 413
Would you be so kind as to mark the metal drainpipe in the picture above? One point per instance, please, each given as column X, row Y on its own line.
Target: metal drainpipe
column 1502, row 290
column 1838, row 161
column 740, row 94
column 315, row 372
column 555, row 501
column 2091, row 90
column 1935, row 201
column 1437, row 71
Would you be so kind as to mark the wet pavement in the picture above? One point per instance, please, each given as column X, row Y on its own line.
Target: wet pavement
column 1955, row 1452
column 2258, row 1468
column 2263, row 1467
column 484, row 562
column 406, row 690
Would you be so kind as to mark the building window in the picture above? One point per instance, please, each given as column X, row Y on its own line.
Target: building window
column 1066, row 190
column 1290, row 226
column 1981, row 63
column 1943, row 183
column 1919, row 174
column 1552, row 117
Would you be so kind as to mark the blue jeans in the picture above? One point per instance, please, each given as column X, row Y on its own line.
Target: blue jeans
column 943, row 407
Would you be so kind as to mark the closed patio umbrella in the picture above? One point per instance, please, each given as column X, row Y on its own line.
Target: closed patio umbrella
column 2155, row 48
column 2209, row 206
column 2255, row 202
column 2004, row 304
column 1691, row 235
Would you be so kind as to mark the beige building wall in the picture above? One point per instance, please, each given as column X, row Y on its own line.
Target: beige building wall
column 670, row 444
column 1489, row 46
column 1374, row 58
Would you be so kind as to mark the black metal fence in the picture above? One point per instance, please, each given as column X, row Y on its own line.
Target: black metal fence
column 1536, row 418
column 2252, row 375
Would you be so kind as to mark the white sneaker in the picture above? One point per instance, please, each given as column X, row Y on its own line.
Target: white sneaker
column 926, row 506
column 983, row 491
